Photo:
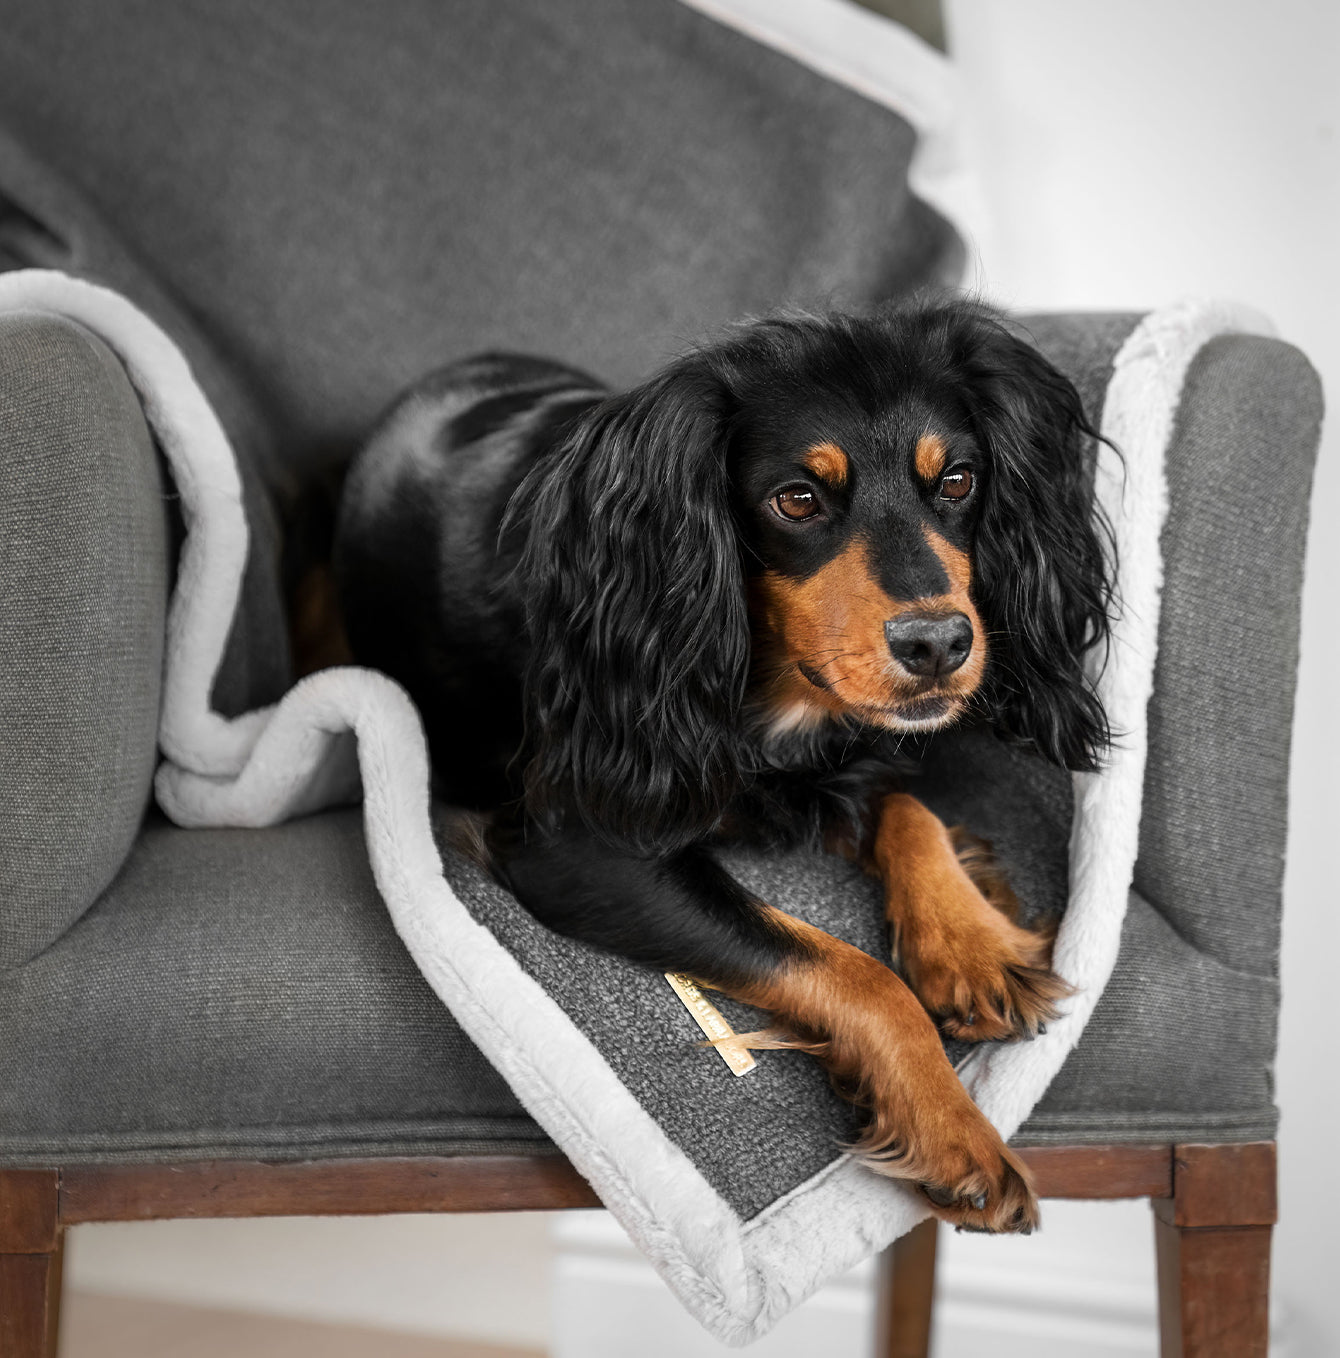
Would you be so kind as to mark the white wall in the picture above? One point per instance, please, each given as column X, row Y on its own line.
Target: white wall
column 482, row 1276
column 1134, row 153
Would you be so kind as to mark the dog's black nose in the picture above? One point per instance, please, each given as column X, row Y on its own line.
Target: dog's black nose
column 929, row 647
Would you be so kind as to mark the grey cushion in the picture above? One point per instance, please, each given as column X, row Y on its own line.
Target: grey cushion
column 346, row 195
column 240, row 993
column 84, row 566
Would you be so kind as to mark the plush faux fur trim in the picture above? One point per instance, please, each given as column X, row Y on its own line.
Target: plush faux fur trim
column 340, row 725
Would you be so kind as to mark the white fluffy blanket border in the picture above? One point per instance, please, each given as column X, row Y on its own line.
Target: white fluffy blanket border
column 340, row 725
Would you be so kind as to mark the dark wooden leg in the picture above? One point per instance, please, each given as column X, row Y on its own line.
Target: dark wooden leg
column 905, row 1294
column 1213, row 1243
column 31, row 1251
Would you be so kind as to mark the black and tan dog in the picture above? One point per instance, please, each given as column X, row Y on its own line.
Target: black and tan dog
column 710, row 609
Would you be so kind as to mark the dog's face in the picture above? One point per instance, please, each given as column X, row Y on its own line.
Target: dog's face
column 859, row 526
column 880, row 521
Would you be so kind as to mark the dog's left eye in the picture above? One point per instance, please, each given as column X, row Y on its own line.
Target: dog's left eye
column 795, row 502
column 956, row 484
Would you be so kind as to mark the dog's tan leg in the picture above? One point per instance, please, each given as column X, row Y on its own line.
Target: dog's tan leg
column 978, row 973
column 847, row 1008
column 883, row 1052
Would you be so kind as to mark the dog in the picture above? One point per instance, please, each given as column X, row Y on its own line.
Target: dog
column 712, row 609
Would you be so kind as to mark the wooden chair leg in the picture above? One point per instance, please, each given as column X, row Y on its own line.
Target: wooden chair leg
column 906, row 1294
column 31, row 1254
column 1213, row 1242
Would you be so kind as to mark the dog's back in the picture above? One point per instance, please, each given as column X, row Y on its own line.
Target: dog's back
column 424, row 579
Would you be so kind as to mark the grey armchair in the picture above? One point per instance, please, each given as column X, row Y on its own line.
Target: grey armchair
column 320, row 205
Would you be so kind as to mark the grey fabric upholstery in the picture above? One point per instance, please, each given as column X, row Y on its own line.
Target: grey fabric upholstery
column 1183, row 1042
column 84, row 565
column 240, row 993
column 1212, row 839
column 45, row 224
column 346, row 196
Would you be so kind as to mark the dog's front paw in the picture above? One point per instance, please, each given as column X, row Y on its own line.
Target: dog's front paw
column 994, row 1196
column 979, row 975
column 990, row 990
column 946, row 1146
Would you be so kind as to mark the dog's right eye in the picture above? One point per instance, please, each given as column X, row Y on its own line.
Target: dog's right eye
column 795, row 503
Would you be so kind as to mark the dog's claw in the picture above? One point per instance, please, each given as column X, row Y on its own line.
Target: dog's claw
column 979, row 1202
column 941, row 1197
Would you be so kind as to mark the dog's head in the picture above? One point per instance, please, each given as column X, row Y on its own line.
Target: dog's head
column 878, row 521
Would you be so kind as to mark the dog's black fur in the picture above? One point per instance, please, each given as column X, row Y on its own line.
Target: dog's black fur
column 587, row 594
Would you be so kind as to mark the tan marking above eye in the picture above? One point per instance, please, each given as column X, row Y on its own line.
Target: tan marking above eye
column 829, row 463
column 931, row 456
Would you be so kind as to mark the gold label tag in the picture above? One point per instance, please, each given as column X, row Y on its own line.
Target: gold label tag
column 739, row 1058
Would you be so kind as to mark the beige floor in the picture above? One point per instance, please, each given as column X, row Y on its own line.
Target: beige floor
column 118, row 1327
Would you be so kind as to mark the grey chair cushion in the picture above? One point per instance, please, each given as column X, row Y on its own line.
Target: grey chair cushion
column 83, row 593
column 1180, row 1048
column 347, row 195
column 240, row 993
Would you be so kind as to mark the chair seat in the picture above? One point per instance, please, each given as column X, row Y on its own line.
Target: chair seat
column 241, row 993
column 1180, row 1049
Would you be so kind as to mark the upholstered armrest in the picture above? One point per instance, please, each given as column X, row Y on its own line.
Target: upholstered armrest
column 1216, row 789
column 1183, row 1040
column 1239, row 471
column 83, row 591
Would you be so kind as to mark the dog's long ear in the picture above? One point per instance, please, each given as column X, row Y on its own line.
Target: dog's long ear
column 1043, row 553
column 638, row 626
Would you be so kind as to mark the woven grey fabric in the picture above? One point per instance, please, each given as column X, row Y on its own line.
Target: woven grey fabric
column 1183, row 1041
column 346, row 195
column 240, row 993
column 83, row 592
column 46, row 224
column 1216, row 798
column 1179, row 1049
